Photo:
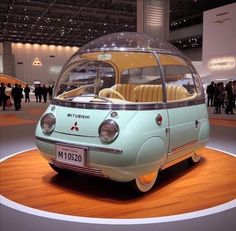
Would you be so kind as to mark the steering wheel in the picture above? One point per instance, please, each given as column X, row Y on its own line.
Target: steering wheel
column 105, row 92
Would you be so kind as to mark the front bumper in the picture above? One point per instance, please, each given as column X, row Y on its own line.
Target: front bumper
column 103, row 162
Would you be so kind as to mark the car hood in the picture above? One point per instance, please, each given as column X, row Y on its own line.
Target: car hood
column 85, row 122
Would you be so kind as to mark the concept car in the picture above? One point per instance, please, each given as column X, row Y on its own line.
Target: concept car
column 125, row 106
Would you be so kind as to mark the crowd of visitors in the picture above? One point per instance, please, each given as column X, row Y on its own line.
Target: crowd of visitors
column 13, row 95
column 41, row 92
column 218, row 95
column 221, row 96
column 9, row 94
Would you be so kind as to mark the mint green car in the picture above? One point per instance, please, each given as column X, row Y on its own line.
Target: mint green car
column 125, row 107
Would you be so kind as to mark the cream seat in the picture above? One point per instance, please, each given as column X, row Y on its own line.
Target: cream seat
column 175, row 92
column 148, row 93
column 153, row 93
column 126, row 90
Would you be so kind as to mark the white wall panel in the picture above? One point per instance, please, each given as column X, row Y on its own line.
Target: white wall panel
column 219, row 49
column 51, row 57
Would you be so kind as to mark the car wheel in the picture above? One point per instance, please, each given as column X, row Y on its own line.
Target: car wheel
column 144, row 183
column 194, row 159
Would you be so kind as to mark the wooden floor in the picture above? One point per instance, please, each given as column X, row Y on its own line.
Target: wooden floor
column 10, row 118
column 27, row 179
column 223, row 122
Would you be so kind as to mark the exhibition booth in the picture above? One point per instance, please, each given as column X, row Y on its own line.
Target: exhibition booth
column 197, row 196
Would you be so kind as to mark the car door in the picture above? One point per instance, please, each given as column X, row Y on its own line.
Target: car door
column 181, row 92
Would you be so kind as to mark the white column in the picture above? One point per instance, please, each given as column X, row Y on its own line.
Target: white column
column 8, row 59
column 153, row 18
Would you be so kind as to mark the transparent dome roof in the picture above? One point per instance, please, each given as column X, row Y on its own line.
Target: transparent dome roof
column 127, row 41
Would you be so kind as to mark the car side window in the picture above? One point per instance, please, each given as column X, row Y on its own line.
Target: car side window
column 180, row 81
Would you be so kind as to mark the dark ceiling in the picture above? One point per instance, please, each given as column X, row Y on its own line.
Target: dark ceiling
column 64, row 22
column 75, row 22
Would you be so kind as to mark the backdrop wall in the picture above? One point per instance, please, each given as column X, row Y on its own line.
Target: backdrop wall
column 219, row 49
column 42, row 63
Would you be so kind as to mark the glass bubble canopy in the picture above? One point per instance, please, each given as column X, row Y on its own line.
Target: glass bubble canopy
column 124, row 41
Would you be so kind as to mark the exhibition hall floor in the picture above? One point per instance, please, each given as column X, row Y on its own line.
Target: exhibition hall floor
column 34, row 197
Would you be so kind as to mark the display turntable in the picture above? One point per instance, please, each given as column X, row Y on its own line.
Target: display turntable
column 27, row 179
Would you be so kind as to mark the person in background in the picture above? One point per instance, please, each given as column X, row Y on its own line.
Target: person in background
column 210, row 94
column 8, row 91
column 17, row 94
column 50, row 92
column 21, row 90
column 44, row 93
column 230, row 98
column 3, row 97
column 218, row 97
column 234, row 93
column 38, row 93
column 27, row 91
column 223, row 95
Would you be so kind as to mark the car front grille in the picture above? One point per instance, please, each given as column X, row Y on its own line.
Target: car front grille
column 86, row 170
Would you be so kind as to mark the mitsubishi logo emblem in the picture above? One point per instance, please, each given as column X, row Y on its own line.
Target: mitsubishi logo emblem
column 74, row 127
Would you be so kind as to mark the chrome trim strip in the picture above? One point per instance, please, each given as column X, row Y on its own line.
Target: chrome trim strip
column 127, row 49
column 126, row 107
column 92, row 148
column 173, row 162
column 69, row 134
column 180, row 148
column 171, row 105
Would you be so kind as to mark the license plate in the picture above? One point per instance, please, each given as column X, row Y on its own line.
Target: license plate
column 71, row 155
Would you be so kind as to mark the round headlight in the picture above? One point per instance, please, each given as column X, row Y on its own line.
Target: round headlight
column 47, row 123
column 108, row 130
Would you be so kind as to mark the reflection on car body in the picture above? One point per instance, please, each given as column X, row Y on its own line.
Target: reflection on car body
column 125, row 112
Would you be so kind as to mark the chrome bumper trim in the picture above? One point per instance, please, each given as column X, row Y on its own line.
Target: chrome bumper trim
column 86, row 170
column 90, row 148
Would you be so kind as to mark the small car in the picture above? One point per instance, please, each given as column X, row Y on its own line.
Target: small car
column 125, row 107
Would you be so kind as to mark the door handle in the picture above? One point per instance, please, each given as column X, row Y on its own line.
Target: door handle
column 167, row 130
column 196, row 123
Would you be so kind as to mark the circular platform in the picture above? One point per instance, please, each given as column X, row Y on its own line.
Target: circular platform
column 27, row 179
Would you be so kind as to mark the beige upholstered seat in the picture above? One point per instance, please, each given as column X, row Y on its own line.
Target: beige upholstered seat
column 148, row 93
column 153, row 93
column 126, row 90
column 175, row 92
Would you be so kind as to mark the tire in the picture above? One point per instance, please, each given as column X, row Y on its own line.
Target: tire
column 58, row 170
column 143, row 184
column 194, row 159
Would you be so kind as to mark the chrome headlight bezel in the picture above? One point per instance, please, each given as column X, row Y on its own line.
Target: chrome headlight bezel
column 48, row 123
column 108, row 131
